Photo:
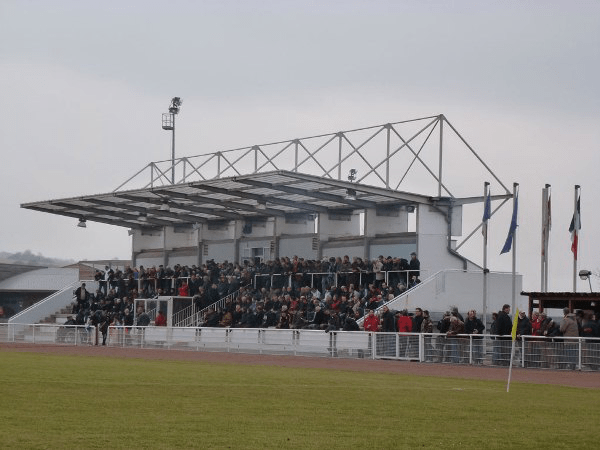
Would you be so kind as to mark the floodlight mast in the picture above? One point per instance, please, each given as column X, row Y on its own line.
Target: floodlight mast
column 168, row 123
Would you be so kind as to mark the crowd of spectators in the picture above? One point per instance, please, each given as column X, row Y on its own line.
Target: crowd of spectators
column 227, row 277
column 331, row 293
column 286, row 293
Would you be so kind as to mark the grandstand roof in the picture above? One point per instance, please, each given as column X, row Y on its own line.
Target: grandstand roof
column 254, row 196
column 49, row 279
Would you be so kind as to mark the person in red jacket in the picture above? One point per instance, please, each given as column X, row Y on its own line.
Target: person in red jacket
column 184, row 290
column 404, row 322
column 371, row 322
column 161, row 320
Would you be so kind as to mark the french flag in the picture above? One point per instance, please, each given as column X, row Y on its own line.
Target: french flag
column 575, row 227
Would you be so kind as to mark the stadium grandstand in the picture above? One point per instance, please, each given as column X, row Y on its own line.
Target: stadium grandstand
column 296, row 236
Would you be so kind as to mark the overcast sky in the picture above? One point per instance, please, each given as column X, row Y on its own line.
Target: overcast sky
column 83, row 85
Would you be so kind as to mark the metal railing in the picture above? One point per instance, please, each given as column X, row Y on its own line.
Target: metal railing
column 51, row 304
column 198, row 316
column 531, row 351
column 335, row 277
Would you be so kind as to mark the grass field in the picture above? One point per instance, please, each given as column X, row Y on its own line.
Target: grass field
column 52, row 401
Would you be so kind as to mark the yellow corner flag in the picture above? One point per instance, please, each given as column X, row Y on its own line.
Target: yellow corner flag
column 514, row 328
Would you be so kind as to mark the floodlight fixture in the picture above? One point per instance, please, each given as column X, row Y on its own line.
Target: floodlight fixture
column 410, row 208
column 168, row 123
column 175, row 105
column 352, row 175
column 261, row 204
column 143, row 217
column 350, row 194
column 82, row 223
column 165, row 206
column 586, row 275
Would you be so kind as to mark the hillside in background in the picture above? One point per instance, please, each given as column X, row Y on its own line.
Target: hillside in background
column 31, row 259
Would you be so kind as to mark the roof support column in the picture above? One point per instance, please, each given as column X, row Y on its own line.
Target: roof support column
column 165, row 253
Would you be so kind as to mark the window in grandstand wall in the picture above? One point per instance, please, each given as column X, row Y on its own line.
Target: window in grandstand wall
column 299, row 218
column 315, row 243
column 218, row 225
column 341, row 214
column 205, row 250
column 256, row 254
column 182, row 228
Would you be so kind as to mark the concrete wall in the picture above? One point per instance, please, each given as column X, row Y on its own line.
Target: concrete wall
column 393, row 250
column 143, row 240
column 220, row 251
column 148, row 261
column 432, row 242
column 301, row 246
column 294, row 225
column 464, row 290
column 330, row 227
column 180, row 238
column 384, row 222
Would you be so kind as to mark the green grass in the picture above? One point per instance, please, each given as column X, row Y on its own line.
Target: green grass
column 50, row 401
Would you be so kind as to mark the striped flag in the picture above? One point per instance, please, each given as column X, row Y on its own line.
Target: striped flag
column 575, row 227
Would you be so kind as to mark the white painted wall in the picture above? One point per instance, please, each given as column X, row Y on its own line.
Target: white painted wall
column 375, row 224
column 183, row 260
column 351, row 251
column 179, row 239
column 301, row 246
column 338, row 228
column 464, row 290
column 393, row 250
column 294, row 228
column 432, row 242
column 144, row 241
column 220, row 251
column 148, row 262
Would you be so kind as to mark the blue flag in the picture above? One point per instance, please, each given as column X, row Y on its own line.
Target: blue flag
column 513, row 227
column 487, row 213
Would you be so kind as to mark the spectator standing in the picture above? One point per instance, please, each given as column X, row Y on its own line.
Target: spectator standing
column 502, row 345
column 371, row 322
column 457, row 327
column 417, row 320
column 161, row 320
column 414, row 265
column 83, row 298
column 143, row 319
column 475, row 326
column 427, row 327
column 569, row 328
column 387, row 320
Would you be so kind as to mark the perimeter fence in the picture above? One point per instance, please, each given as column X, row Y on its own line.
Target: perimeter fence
column 530, row 352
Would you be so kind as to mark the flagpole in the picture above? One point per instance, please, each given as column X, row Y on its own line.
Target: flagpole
column 547, row 237
column 485, row 245
column 512, row 351
column 543, row 234
column 514, row 253
column 575, row 217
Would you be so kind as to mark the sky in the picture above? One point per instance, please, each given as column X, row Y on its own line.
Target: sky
column 83, row 86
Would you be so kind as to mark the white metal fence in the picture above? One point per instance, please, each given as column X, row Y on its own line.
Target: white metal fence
column 531, row 352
